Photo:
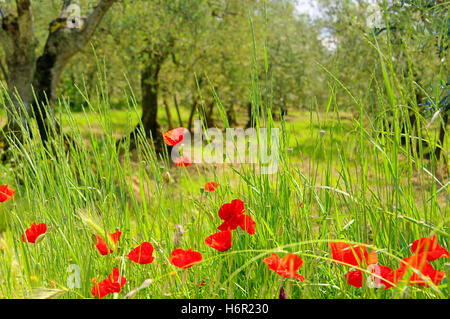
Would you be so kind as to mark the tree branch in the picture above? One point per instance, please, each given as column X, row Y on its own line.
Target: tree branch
column 5, row 73
column 66, row 5
column 95, row 17
column 23, row 7
column 2, row 13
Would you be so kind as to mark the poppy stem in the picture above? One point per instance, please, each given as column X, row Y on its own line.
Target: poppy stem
column 183, row 279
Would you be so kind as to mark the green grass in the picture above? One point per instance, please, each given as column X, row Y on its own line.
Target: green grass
column 348, row 193
column 356, row 182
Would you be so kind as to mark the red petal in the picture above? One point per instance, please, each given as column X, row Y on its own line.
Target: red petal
column 286, row 267
column 354, row 278
column 430, row 247
column 175, row 136
column 101, row 246
column 109, row 285
column 32, row 233
column 115, row 236
column 220, row 241
column 183, row 162
column 6, row 193
column 211, row 186
column 228, row 210
column 116, row 285
column 273, row 262
column 292, row 263
column 230, row 224
column 246, row 223
column 418, row 262
column 386, row 274
column 101, row 289
column 185, row 258
column 352, row 254
column 142, row 254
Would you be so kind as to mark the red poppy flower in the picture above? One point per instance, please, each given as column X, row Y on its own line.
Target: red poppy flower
column 175, row 136
column 355, row 277
column 101, row 289
column 112, row 284
column 352, row 254
column 6, row 193
column 116, row 284
column 248, row 224
column 233, row 216
column 35, row 233
column 220, row 241
column 185, row 258
column 101, row 244
column 142, row 254
column 211, row 186
column 430, row 247
column 183, row 162
column 419, row 263
column 286, row 267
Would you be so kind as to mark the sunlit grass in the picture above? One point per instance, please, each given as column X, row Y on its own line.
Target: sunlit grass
column 342, row 176
column 348, row 193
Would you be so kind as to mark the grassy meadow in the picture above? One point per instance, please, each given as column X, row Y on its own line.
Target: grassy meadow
column 360, row 103
column 343, row 176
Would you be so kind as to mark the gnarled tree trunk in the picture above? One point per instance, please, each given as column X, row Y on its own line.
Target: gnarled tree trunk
column 68, row 35
column 19, row 43
column 150, row 91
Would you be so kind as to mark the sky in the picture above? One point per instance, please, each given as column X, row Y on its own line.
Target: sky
column 308, row 7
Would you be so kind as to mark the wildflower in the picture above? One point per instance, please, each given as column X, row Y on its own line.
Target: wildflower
column 101, row 244
column 183, row 162
column 354, row 255
column 357, row 255
column 185, row 258
column 6, row 193
column 174, row 137
column 142, row 254
column 112, row 284
column 35, row 233
column 101, row 289
column 430, row 247
column 419, row 263
column 233, row 216
column 286, row 267
column 211, row 186
column 381, row 276
column 220, row 241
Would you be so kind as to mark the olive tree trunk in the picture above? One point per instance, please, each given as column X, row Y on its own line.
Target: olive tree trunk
column 32, row 82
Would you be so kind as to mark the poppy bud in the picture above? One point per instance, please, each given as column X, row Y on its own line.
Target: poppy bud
column 166, row 177
column 282, row 294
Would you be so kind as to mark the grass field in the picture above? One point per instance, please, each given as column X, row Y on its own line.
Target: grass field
column 342, row 177
column 349, row 186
